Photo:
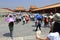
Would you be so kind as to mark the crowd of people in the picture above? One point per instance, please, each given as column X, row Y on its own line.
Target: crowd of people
column 11, row 19
column 51, row 21
column 54, row 33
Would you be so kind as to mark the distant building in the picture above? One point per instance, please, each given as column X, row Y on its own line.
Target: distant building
column 48, row 9
column 32, row 8
column 19, row 9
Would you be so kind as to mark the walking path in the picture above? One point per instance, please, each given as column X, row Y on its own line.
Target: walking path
column 21, row 32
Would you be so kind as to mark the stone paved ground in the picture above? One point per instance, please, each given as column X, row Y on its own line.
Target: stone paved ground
column 21, row 32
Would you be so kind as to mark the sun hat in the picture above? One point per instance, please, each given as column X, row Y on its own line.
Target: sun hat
column 51, row 17
column 38, row 33
column 57, row 17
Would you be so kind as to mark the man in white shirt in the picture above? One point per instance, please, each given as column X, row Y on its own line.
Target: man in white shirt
column 54, row 36
column 51, row 36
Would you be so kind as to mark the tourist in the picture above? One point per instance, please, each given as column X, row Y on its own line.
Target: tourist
column 24, row 21
column 38, row 22
column 55, row 31
column 10, row 21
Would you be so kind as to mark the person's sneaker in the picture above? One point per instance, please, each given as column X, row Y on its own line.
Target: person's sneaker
column 35, row 30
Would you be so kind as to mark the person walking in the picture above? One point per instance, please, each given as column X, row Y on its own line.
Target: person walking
column 10, row 21
column 27, row 19
column 24, row 21
column 55, row 30
column 38, row 22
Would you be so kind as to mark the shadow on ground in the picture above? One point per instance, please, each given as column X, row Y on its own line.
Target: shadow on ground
column 33, row 26
column 34, row 30
column 6, row 34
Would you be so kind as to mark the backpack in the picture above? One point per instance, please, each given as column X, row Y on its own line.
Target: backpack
column 26, row 18
column 39, row 17
column 46, row 19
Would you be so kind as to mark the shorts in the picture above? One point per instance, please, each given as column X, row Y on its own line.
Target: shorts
column 39, row 25
column 38, row 19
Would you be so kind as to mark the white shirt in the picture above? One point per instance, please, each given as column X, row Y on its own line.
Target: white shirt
column 54, row 36
column 51, row 17
column 23, row 19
